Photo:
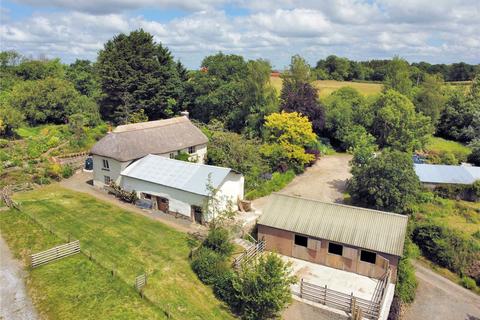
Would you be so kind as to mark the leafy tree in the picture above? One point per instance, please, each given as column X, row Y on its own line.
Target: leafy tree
column 398, row 76
column 262, row 290
column 10, row 119
column 218, row 240
column 50, row 100
column 40, row 69
column 460, row 119
column 336, row 67
column 361, row 145
column 231, row 150
column 83, row 76
column 287, row 135
column 474, row 157
column 387, row 182
column 303, row 98
column 395, row 122
column 345, row 108
column 137, row 73
column 430, row 98
column 9, row 59
column 225, row 67
column 138, row 116
column 299, row 71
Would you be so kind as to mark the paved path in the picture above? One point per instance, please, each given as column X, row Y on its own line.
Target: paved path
column 15, row 304
column 80, row 182
column 439, row 298
column 324, row 181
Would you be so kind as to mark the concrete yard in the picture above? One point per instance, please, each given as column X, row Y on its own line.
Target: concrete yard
column 338, row 280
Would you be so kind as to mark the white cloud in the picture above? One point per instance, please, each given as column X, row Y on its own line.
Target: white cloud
column 275, row 30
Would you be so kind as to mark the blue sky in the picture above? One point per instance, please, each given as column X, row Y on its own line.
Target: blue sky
column 271, row 29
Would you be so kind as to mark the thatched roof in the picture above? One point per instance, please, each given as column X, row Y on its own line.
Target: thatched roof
column 134, row 141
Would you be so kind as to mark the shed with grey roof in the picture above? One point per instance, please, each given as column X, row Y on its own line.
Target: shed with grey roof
column 446, row 174
column 350, row 238
column 181, row 187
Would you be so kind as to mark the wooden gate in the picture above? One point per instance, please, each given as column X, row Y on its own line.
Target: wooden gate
column 55, row 253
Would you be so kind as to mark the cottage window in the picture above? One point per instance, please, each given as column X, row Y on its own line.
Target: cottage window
column 106, row 164
column 334, row 248
column 301, row 240
column 368, row 256
column 147, row 196
column 172, row 155
column 192, row 149
column 107, row 179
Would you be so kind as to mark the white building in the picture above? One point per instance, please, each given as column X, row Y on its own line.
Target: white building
column 182, row 188
column 127, row 143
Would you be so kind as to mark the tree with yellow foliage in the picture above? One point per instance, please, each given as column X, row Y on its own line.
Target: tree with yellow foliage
column 287, row 135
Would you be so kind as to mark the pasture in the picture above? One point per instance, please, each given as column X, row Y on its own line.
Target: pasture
column 326, row 87
column 119, row 240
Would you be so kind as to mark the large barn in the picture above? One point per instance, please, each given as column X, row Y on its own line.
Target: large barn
column 127, row 143
column 353, row 239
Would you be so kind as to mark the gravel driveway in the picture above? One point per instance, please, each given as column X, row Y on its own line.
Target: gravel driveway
column 15, row 304
column 440, row 299
column 324, row 181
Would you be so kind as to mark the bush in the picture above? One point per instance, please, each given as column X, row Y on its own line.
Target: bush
column 3, row 143
column 218, row 241
column 276, row 183
column 67, row 171
column 209, row 265
column 474, row 157
column 446, row 247
column 468, row 283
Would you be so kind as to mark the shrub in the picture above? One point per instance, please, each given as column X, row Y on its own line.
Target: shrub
column 218, row 241
column 468, row 283
column 3, row 143
column 474, row 157
column 209, row 265
column 67, row 171
column 276, row 183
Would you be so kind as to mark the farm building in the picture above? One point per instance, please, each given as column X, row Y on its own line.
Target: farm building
column 432, row 175
column 127, row 143
column 180, row 187
column 358, row 240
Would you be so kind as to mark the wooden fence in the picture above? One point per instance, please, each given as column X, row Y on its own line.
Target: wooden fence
column 340, row 301
column 249, row 254
column 140, row 282
column 55, row 253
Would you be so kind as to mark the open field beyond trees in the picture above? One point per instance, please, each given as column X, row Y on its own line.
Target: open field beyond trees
column 326, row 87
column 119, row 240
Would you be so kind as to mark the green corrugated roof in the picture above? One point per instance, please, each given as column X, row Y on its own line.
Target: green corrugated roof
column 365, row 228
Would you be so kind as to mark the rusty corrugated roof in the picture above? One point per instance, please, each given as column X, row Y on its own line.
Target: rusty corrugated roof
column 365, row 228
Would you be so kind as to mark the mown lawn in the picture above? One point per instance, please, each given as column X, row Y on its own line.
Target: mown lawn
column 74, row 287
column 326, row 87
column 130, row 244
column 439, row 146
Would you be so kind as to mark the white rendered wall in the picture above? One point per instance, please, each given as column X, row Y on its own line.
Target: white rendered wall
column 99, row 173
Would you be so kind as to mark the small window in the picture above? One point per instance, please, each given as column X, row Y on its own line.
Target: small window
column 334, row 248
column 192, row 149
column 147, row 196
column 368, row 256
column 301, row 240
column 105, row 164
column 172, row 155
column 107, row 179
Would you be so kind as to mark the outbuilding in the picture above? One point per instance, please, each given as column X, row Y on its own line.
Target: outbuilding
column 432, row 175
column 128, row 143
column 182, row 188
column 354, row 239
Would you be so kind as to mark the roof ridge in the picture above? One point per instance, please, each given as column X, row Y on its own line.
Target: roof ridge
column 153, row 127
column 342, row 205
column 186, row 162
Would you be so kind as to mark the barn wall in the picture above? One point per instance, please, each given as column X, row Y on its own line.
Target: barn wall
column 282, row 241
column 179, row 201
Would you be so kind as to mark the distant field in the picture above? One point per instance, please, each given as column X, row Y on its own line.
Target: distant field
column 326, row 87
column 121, row 240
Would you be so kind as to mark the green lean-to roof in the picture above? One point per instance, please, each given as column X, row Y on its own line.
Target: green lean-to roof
column 365, row 228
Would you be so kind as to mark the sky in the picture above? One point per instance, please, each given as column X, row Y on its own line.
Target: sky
column 437, row 31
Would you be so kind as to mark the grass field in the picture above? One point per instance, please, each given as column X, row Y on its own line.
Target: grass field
column 438, row 146
column 128, row 243
column 326, row 87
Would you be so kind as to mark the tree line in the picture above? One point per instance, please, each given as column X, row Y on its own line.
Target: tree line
column 343, row 69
